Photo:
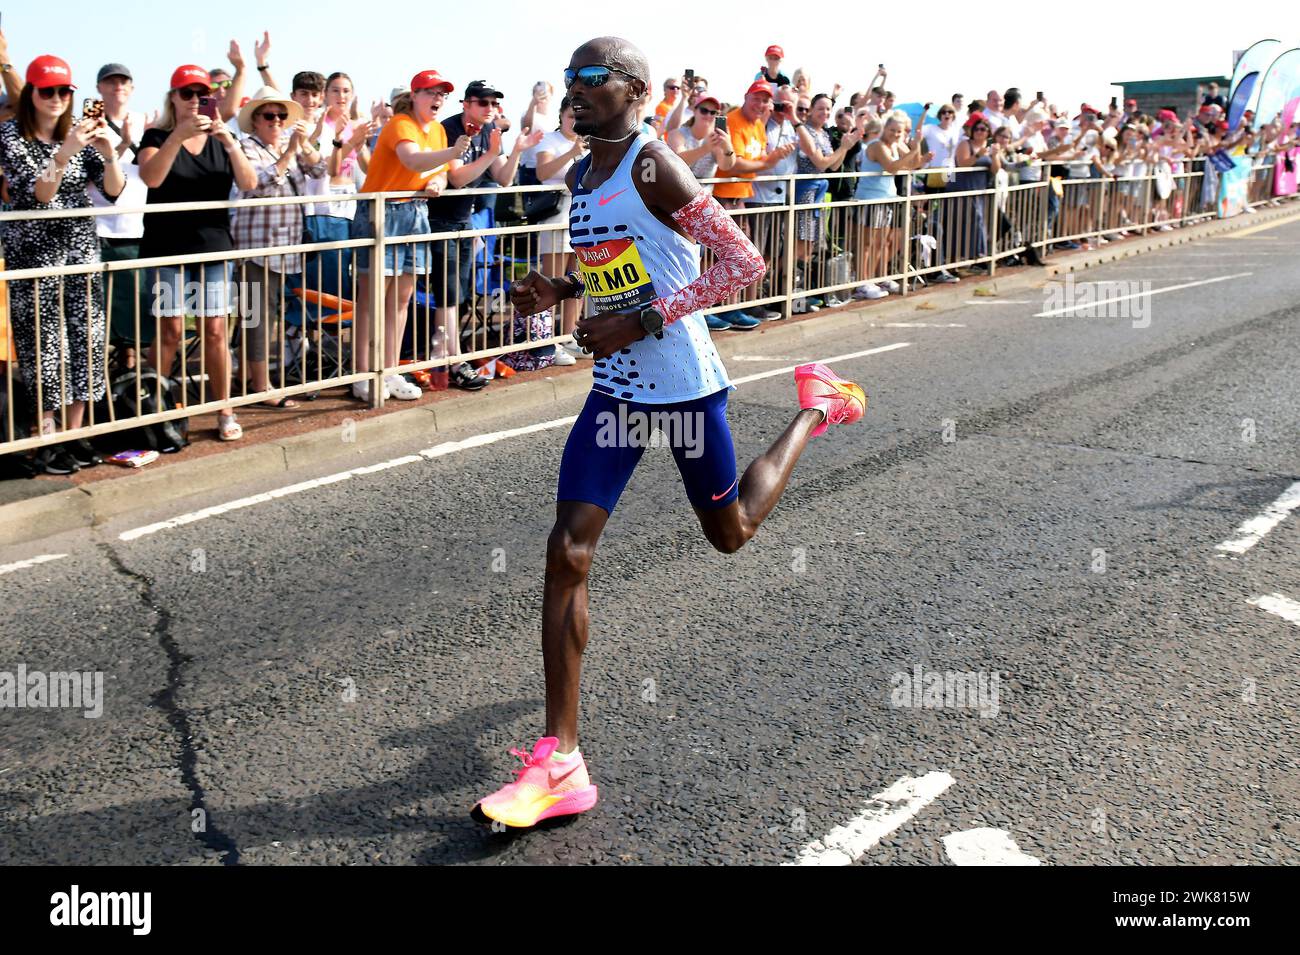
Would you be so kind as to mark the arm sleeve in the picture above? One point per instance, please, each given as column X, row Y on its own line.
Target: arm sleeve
column 738, row 262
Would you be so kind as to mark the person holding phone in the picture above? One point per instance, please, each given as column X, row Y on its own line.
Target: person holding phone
column 191, row 156
column 48, row 161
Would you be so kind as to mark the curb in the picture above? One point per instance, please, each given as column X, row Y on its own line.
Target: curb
column 94, row 504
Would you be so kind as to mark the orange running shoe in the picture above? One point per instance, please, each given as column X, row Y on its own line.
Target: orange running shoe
column 544, row 787
column 839, row 401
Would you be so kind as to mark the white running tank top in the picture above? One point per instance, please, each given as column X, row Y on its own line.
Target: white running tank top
column 628, row 258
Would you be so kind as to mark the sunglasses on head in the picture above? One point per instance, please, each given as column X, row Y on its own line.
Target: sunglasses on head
column 49, row 92
column 592, row 75
column 188, row 93
column 273, row 117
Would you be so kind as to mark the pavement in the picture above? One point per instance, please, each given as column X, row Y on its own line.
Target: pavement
column 1084, row 516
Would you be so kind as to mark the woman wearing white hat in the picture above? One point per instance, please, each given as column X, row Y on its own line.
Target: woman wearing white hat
column 278, row 148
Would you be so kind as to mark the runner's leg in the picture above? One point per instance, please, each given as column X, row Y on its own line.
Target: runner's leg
column 569, row 549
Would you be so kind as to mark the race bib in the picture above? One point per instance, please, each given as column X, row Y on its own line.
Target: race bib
column 615, row 276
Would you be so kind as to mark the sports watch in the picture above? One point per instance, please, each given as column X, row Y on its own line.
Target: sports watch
column 652, row 320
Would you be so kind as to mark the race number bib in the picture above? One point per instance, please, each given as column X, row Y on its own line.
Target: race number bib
column 615, row 276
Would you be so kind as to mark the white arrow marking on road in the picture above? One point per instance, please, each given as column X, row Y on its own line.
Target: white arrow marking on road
column 1123, row 298
column 1252, row 532
column 29, row 562
column 1284, row 607
column 985, row 847
column 895, row 806
column 437, row 451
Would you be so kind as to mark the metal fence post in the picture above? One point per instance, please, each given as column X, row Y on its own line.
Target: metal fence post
column 789, row 247
column 907, row 226
column 376, row 343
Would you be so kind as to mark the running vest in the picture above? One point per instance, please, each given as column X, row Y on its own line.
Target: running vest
column 628, row 258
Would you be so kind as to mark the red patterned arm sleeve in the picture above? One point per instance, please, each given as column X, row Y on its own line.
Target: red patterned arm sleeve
column 738, row 262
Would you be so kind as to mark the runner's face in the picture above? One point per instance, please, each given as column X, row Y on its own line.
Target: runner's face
column 601, row 107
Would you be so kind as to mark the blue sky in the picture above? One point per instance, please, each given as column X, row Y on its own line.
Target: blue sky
column 1072, row 52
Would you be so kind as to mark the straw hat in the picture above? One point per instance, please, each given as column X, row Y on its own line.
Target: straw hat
column 268, row 94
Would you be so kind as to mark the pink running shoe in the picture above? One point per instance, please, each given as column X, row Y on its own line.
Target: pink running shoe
column 840, row 401
column 543, row 788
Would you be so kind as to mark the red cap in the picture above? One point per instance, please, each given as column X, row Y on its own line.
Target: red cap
column 48, row 70
column 430, row 80
column 760, row 86
column 190, row 75
column 776, row 51
column 717, row 104
column 1085, row 108
column 973, row 118
column 1130, row 102
column 1167, row 115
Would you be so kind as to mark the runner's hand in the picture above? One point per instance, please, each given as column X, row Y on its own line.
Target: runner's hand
column 535, row 293
column 605, row 335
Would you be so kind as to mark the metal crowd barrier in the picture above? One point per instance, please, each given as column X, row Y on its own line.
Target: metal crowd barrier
column 305, row 326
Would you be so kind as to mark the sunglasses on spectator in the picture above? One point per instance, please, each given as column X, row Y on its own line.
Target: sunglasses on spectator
column 188, row 93
column 802, row 109
column 49, row 92
column 222, row 84
column 946, row 112
column 705, row 111
column 273, row 117
column 674, row 88
column 487, row 102
column 592, row 75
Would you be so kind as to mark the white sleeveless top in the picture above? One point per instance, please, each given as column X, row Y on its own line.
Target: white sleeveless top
column 628, row 258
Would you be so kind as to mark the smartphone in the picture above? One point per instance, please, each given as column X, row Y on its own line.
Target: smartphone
column 92, row 109
column 881, row 65
column 1114, row 102
column 1041, row 97
column 688, row 77
column 208, row 107
column 720, row 122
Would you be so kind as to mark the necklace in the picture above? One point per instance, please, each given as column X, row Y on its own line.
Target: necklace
column 619, row 140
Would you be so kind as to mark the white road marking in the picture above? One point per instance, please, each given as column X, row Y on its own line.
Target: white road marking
column 893, row 807
column 921, row 325
column 985, row 847
column 822, row 361
column 1121, row 298
column 437, row 451
column 29, row 562
column 1252, row 531
column 1284, row 607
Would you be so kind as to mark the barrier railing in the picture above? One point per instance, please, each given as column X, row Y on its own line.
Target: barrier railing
column 213, row 319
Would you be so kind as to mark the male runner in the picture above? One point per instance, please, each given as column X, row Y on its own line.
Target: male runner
column 636, row 216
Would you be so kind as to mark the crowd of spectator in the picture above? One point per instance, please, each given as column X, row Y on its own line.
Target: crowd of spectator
column 216, row 138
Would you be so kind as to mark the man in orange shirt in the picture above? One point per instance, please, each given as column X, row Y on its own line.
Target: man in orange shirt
column 410, row 155
column 747, row 125
column 672, row 92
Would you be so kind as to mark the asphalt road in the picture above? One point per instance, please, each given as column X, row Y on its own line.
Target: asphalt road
column 334, row 676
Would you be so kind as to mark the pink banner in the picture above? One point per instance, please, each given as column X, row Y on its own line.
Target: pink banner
column 1284, row 179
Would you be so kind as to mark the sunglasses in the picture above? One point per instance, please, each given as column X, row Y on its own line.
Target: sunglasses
column 188, row 93
column 705, row 111
column 672, row 88
column 802, row 109
column 487, row 102
column 946, row 112
column 273, row 117
column 49, row 92
column 592, row 75
column 222, row 84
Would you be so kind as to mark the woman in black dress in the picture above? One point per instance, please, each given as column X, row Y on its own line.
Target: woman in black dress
column 47, row 160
